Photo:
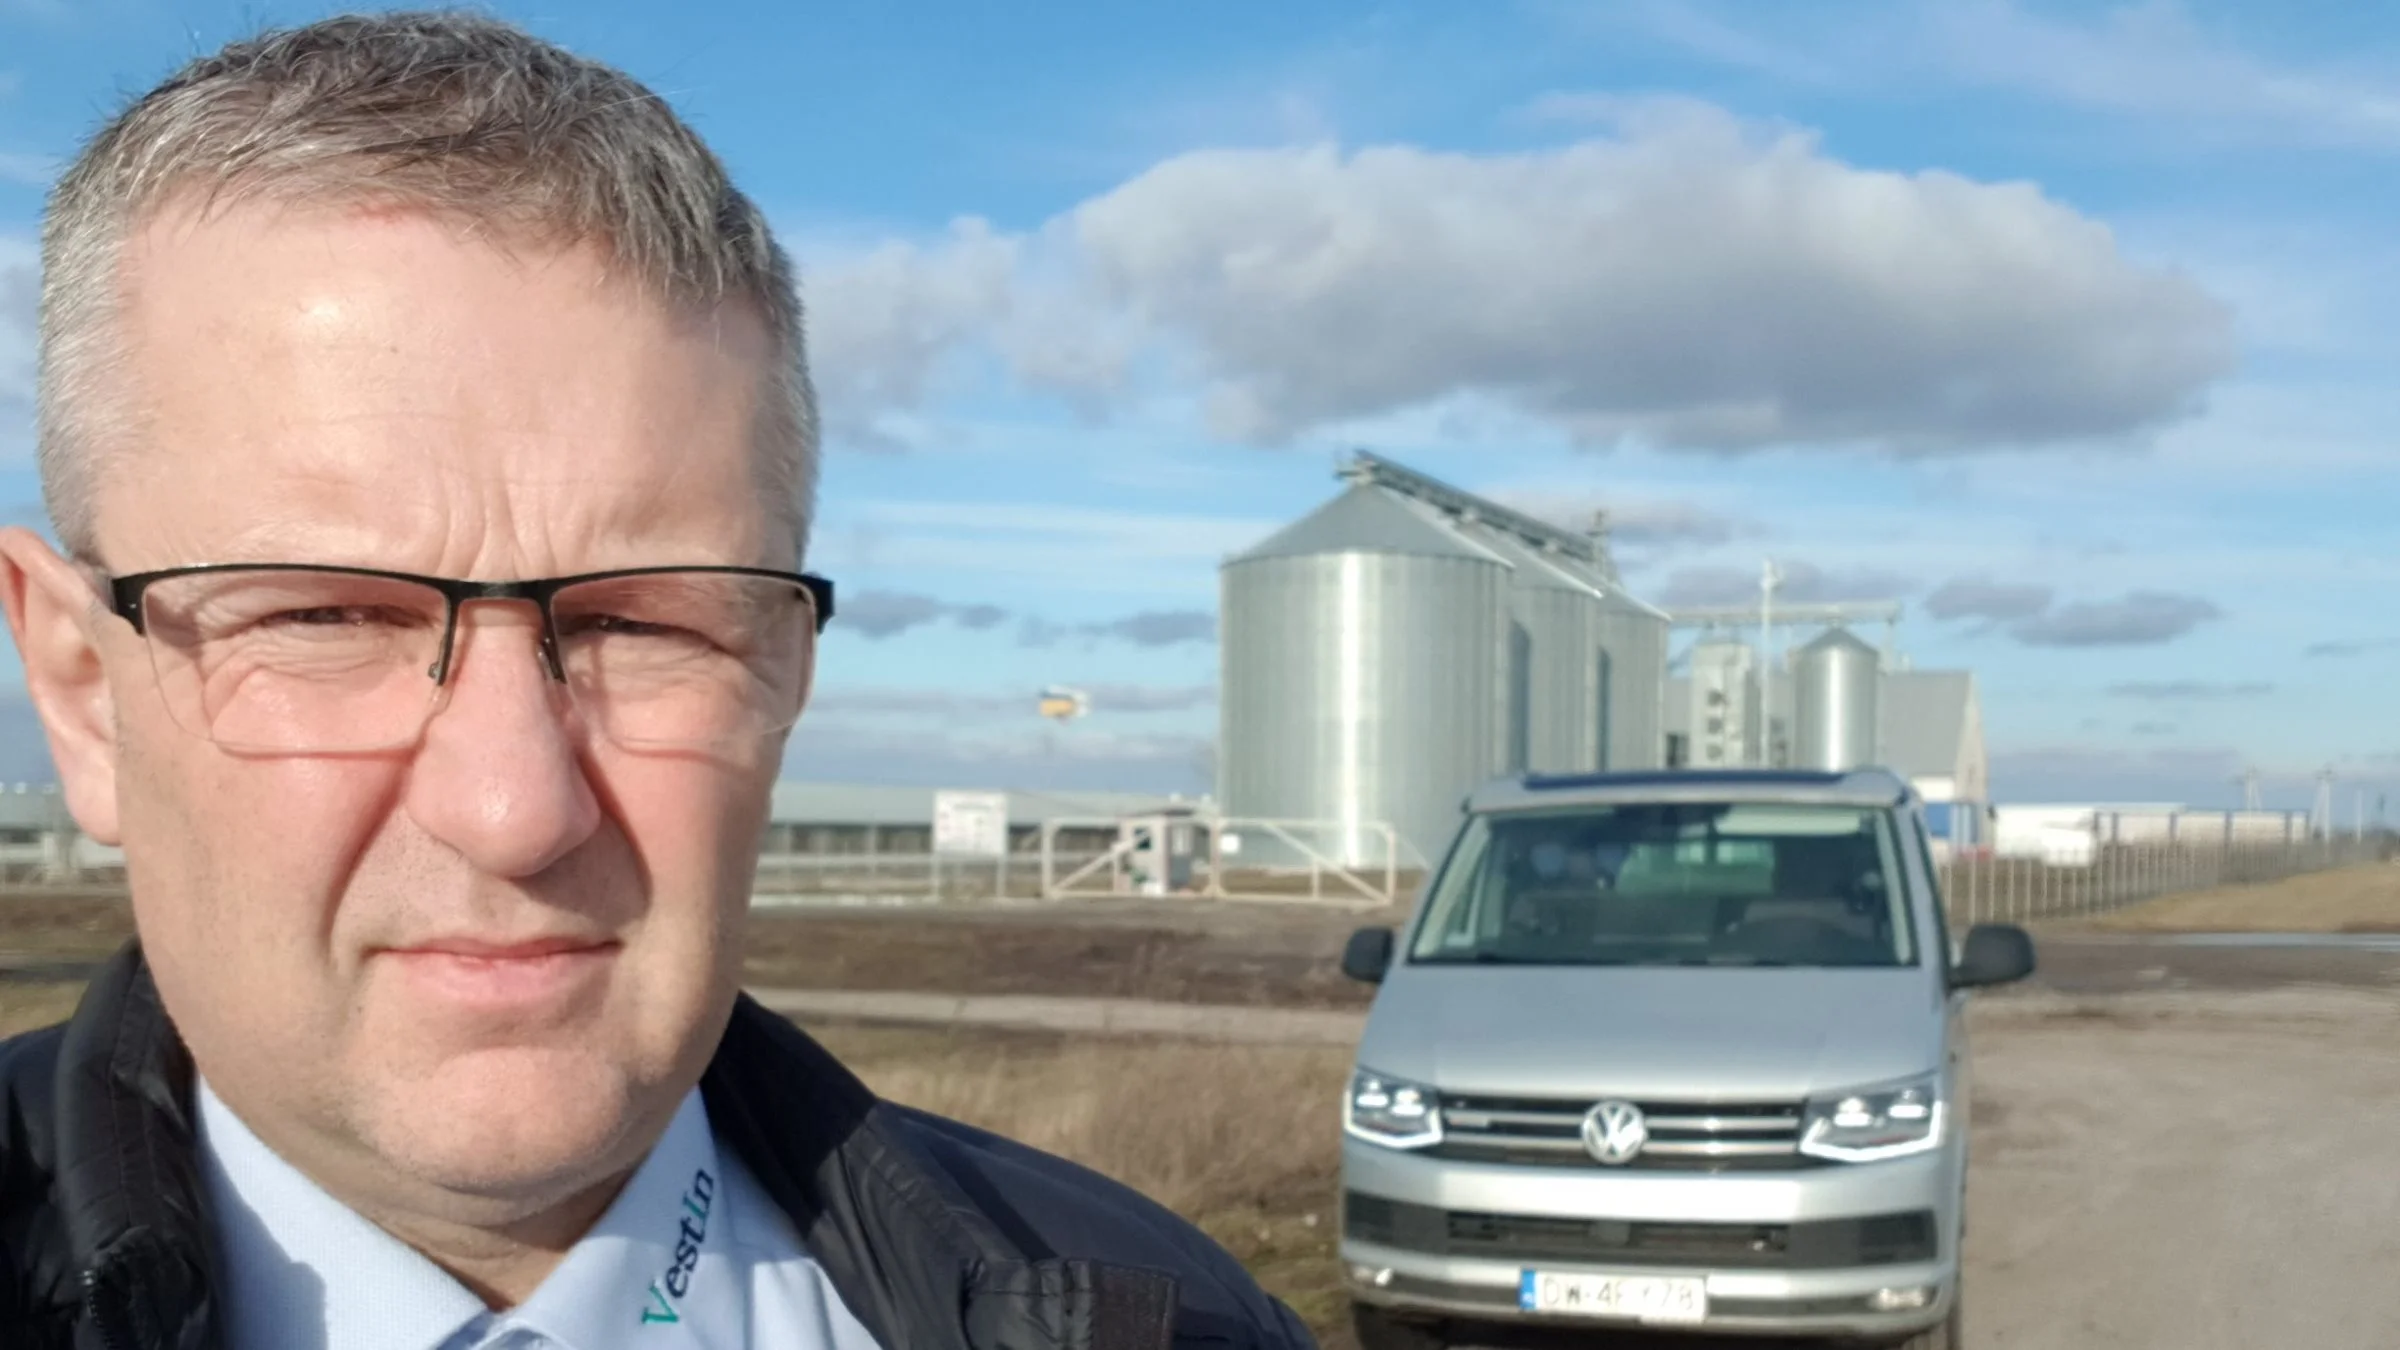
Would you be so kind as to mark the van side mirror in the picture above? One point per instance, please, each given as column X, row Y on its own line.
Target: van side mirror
column 1995, row 953
column 1367, row 956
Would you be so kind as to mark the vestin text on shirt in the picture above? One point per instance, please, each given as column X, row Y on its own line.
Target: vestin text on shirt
column 691, row 1230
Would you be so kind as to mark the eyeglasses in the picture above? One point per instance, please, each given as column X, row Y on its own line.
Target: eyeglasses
column 283, row 658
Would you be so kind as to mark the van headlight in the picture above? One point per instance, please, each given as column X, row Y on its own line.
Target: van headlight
column 1389, row 1111
column 1892, row 1120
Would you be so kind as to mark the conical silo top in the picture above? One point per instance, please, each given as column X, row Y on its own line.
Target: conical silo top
column 1533, row 566
column 1839, row 640
column 1367, row 519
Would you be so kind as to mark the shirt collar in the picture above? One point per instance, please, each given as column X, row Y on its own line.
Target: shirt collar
column 655, row 1272
column 298, row 1264
column 658, row 1270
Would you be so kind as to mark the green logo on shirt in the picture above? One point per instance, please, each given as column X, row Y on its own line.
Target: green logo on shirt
column 691, row 1231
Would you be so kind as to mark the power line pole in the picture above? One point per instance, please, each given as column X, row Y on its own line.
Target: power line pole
column 1768, row 579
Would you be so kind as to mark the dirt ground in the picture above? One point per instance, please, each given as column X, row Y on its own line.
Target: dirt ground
column 1271, row 956
column 2196, row 1170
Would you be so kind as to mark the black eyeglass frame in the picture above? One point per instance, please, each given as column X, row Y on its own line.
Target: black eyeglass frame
column 125, row 595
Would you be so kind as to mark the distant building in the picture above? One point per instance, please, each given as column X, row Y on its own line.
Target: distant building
column 1929, row 730
column 38, row 840
column 828, row 818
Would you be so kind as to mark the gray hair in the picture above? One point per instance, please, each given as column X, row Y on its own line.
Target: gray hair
column 453, row 113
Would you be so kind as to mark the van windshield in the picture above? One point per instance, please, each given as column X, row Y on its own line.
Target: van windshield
column 1702, row 884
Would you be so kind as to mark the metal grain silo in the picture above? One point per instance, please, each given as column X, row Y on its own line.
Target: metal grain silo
column 1836, row 683
column 1362, row 673
column 1633, row 647
column 1555, row 690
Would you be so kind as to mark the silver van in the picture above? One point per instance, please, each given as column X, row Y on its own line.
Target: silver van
column 1680, row 1050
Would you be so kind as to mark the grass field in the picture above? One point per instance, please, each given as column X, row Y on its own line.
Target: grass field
column 1243, row 1140
column 27, row 1004
column 2361, row 899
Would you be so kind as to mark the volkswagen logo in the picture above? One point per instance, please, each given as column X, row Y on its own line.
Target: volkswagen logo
column 1614, row 1132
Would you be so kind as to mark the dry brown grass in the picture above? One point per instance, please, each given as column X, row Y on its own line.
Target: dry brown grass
column 963, row 952
column 73, row 923
column 1243, row 1140
column 28, row 1004
column 2361, row 899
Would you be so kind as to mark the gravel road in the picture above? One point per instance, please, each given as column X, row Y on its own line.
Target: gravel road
column 2195, row 1170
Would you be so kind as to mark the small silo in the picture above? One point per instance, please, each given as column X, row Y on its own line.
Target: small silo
column 1362, row 673
column 1836, row 683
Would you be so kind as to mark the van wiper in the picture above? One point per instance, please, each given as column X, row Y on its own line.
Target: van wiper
column 1745, row 961
column 1482, row 958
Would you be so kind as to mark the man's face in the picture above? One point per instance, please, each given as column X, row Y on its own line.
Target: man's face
column 381, row 389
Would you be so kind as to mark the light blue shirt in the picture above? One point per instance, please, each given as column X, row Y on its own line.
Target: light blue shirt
column 692, row 1255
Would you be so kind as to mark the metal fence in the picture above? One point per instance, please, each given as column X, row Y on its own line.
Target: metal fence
column 2112, row 876
column 869, row 879
column 1065, row 862
column 1076, row 868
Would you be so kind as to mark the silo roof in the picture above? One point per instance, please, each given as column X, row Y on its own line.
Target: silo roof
column 1838, row 637
column 1368, row 519
column 1391, row 509
column 1534, row 566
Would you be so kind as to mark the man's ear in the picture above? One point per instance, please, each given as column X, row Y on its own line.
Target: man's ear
column 54, row 614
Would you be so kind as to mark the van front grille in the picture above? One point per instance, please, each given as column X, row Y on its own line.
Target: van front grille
column 1819, row 1244
column 1687, row 1136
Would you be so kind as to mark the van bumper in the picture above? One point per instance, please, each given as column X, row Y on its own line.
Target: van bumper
column 1864, row 1250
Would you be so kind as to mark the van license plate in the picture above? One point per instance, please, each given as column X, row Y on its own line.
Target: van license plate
column 1643, row 1298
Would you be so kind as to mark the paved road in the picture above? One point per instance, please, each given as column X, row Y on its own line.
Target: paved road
column 2097, row 963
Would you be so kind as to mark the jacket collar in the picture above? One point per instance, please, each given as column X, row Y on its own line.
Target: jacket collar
column 916, row 1260
column 127, row 1175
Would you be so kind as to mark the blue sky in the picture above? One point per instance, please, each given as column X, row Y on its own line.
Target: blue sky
column 2066, row 325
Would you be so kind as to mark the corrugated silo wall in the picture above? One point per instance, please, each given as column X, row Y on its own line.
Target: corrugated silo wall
column 1636, row 643
column 1359, row 687
column 1563, row 687
column 1835, row 688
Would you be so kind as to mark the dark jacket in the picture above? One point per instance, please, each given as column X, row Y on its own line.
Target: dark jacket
column 938, row 1237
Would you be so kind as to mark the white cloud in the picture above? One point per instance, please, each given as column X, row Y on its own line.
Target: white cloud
column 2136, row 619
column 1077, row 757
column 2154, row 59
column 1690, row 282
column 1800, row 583
column 2184, row 691
column 880, row 320
column 20, row 294
column 1157, row 555
column 30, row 170
column 2201, row 776
column 1984, row 598
column 1654, row 527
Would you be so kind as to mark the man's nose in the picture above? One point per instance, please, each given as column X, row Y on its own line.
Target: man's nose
column 500, row 775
